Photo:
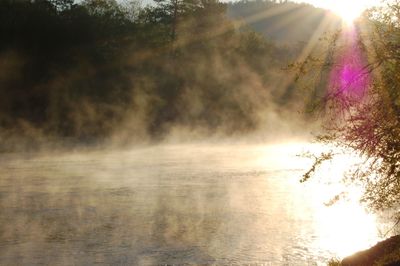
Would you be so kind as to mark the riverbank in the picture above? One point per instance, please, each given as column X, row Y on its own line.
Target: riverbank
column 386, row 252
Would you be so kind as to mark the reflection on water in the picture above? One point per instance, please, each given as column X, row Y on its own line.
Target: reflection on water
column 173, row 205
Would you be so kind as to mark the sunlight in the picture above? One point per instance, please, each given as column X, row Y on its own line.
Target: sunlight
column 349, row 79
column 348, row 10
column 345, row 226
column 216, row 132
column 291, row 19
column 315, row 38
column 267, row 13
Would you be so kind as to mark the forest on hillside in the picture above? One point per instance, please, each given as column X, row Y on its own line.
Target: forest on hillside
column 285, row 22
column 94, row 71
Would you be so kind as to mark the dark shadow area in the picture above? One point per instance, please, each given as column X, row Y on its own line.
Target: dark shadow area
column 91, row 72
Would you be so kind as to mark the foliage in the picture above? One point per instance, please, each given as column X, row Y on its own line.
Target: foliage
column 362, row 110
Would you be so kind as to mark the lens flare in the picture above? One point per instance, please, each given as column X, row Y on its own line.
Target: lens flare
column 350, row 78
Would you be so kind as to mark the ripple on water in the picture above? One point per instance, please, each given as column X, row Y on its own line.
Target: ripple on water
column 199, row 205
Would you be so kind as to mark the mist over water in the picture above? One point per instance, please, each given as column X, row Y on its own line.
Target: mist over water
column 169, row 134
column 173, row 204
column 77, row 73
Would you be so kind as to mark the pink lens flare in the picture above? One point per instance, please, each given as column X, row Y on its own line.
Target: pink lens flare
column 350, row 78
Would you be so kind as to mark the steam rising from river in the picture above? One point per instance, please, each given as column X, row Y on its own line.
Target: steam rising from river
column 174, row 204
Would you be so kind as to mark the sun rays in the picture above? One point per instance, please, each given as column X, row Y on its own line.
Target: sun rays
column 287, row 17
column 347, row 10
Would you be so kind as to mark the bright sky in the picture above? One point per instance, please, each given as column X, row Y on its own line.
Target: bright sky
column 332, row 3
column 347, row 9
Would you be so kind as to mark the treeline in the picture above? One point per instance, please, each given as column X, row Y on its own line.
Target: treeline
column 100, row 70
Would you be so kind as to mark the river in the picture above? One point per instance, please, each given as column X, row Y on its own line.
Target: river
column 174, row 204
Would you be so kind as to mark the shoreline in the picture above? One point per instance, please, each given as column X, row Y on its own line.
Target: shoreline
column 386, row 252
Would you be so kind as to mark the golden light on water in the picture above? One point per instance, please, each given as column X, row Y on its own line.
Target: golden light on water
column 242, row 204
column 344, row 227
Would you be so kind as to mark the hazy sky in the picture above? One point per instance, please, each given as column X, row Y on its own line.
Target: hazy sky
column 329, row 4
column 332, row 4
column 348, row 10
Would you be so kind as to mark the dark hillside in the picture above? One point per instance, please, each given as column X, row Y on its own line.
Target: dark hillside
column 285, row 22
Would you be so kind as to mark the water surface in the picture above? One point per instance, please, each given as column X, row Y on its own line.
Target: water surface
column 196, row 204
